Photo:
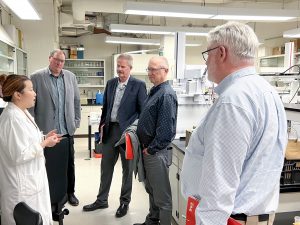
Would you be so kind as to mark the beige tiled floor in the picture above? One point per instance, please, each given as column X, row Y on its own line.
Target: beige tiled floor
column 87, row 184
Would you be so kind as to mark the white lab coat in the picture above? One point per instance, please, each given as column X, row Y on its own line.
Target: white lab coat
column 3, row 104
column 22, row 165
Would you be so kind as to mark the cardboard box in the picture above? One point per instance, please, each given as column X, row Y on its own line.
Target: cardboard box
column 188, row 134
column 293, row 150
column 276, row 51
column 296, row 45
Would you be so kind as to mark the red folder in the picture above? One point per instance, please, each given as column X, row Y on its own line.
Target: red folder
column 190, row 213
column 129, row 148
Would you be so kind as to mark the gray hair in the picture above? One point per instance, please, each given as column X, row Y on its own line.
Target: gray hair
column 126, row 57
column 239, row 38
column 55, row 51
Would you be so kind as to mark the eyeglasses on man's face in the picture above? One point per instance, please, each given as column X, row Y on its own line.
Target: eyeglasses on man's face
column 59, row 60
column 205, row 53
column 151, row 70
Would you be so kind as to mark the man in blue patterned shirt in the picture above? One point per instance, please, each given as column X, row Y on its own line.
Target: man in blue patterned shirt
column 156, row 130
column 235, row 156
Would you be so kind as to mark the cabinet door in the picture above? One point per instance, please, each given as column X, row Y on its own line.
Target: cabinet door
column 173, row 174
column 98, row 110
column 182, row 203
column 21, row 62
column 85, row 112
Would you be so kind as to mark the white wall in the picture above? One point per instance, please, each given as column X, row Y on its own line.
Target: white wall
column 40, row 37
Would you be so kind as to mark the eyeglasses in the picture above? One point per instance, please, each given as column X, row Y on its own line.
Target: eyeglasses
column 205, row 53
column 151, row 70
column 59, row 60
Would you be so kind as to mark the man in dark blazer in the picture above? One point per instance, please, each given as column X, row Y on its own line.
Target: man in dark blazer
column 124, row 97
column 58, row 107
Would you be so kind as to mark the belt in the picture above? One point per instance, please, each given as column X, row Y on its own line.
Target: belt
column 243, row 217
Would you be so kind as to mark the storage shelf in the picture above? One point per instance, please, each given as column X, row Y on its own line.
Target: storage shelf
column 92, row 76
column 6, row 57
column 90, row 73
column 81, row 67
column 272, row 56
column 90, row 85
column 94, row 60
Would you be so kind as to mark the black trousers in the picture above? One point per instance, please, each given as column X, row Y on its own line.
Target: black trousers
column 71, row 166
column 110, row 156
column 54, row 154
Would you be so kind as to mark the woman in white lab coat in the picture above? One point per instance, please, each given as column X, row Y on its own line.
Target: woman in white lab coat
column 23, row 174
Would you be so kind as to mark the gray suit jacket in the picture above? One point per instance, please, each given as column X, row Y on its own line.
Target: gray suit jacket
column 44, row 109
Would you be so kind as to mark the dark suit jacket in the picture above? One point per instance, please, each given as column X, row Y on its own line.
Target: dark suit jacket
column 130, row 107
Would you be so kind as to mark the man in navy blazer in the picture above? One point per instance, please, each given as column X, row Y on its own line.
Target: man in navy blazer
column 124, row 97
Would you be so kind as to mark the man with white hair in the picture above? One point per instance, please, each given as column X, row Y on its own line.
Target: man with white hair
column 235, row 156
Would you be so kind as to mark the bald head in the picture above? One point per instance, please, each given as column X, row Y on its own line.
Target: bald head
column 158, row 68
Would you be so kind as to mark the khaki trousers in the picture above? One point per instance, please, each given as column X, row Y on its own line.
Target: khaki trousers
column 253, row 220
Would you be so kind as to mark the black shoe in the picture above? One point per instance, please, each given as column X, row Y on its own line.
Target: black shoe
column 94, row 206
column 145, row 223
column 122, row 210
column 73, row 200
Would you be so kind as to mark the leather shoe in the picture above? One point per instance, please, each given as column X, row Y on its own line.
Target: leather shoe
column 73, row 200
column 94, row 206
column 122, row 210
column 145, row 223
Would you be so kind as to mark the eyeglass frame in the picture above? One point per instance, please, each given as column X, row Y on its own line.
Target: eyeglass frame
column 58, row 60
column 154, row 69
column 205, row 53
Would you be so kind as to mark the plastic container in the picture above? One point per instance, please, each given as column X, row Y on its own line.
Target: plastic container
column 80, row 52
column 297, row 220
column 66, row 50
column 99, row 98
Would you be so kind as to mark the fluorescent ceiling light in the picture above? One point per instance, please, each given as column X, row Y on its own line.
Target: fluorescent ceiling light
column 192, row 45
column 168, row 10
column 131, row 41
column 294, row 33
column 144, row 29
column 142, row 51
column 23, row 9
column 196, row 11
column 139, row 41
column 256, row 14
column 251, row 18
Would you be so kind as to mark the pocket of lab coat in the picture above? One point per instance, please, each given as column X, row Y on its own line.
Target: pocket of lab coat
column 31, row 184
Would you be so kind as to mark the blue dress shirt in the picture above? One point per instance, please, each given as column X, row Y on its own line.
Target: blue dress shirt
column 157, row 122
column 235, row 156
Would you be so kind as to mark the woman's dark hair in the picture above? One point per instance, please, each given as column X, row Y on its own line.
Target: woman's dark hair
column 2, row 79
column 12, row 84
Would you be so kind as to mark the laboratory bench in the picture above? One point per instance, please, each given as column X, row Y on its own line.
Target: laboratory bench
column 288, row 208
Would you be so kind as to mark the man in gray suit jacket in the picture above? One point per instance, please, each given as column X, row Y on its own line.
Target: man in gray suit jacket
column 123, row 100
column 58, row 107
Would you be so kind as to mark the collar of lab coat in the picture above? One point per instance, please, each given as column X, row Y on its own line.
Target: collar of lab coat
column 24, row 114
